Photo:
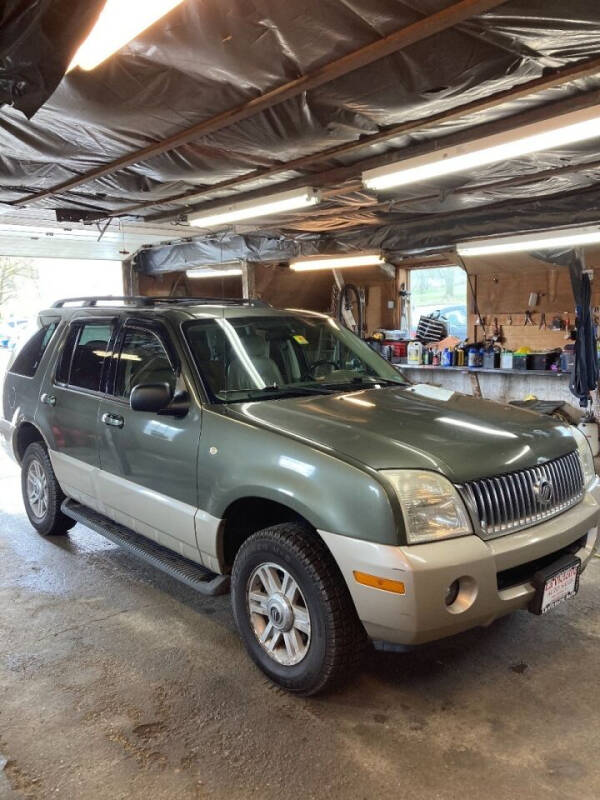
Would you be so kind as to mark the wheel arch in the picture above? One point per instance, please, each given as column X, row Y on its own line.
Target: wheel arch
column 247, row 515
column 26, row 433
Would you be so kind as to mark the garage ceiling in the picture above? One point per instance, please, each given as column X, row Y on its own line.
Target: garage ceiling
column 238, row 99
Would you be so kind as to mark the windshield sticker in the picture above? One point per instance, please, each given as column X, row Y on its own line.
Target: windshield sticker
column 300, row 339
column 432, row 392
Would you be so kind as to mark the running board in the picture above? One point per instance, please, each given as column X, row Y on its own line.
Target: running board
column 178, row 567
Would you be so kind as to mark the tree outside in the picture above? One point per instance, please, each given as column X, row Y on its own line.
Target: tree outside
column 440, row 289
column 18, row 277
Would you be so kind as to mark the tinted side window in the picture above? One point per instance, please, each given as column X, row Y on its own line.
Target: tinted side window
column 84, row 354
column 28, row 360
column 211, row 351
column 143, row 359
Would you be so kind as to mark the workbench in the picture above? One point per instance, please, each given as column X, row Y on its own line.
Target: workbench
column 495, row 384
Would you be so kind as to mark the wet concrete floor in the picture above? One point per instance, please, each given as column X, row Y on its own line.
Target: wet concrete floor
column 117, row 682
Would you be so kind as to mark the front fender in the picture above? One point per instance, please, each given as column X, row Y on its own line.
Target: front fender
column 328, row 491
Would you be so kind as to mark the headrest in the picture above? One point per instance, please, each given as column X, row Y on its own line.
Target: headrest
column 202, row 350
column 199, row 342
column 256, row 346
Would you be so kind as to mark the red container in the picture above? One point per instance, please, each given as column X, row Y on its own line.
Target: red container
column 398, row 348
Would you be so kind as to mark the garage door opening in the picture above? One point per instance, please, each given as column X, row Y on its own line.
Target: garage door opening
column 28, row 285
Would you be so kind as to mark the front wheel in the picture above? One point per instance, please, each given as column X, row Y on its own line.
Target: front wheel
column 293, row 610
column 42, row 494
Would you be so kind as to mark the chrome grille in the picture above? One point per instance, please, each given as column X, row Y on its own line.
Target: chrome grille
column 507, row 503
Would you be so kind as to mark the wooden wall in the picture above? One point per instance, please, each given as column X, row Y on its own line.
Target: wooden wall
column 177, row 284
column 280, row 287
column 505, row 294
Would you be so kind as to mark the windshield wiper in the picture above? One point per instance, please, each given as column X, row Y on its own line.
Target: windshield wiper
column 276, row 392
column 362, row 383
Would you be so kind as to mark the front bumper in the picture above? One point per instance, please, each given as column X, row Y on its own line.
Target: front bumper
column 427, row 570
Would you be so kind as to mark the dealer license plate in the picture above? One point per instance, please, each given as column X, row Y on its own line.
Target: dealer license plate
column 555, row 584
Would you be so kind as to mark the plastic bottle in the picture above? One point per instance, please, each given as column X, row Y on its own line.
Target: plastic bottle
column 415, row 353
column 472, row 357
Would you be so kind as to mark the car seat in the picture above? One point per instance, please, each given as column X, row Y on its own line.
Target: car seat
column 258, row 351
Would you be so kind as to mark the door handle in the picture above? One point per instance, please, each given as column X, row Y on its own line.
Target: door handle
column 48, row 399
column 113, row 420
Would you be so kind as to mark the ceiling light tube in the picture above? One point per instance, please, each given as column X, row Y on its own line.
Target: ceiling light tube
column 119, row 23
column 545, row 240
column 310, row 263
column 576, row 126
column 251, row 209
column 209, row 272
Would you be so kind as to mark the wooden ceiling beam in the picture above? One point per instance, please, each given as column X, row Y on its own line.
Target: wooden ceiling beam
column 411, row 34
column 551, row 80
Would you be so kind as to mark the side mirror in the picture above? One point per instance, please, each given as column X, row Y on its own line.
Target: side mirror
column 150, row 397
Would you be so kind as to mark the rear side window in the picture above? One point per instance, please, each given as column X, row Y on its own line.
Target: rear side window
column 28, row 360
column 84, row 354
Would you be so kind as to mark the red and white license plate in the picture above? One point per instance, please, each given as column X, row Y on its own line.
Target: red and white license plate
column 560, row 587
column 555, row 583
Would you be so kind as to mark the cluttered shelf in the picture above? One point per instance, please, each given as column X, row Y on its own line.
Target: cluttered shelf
column 496, row 371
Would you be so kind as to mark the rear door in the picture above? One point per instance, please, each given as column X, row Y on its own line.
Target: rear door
column 149, row 461
column 70, row 402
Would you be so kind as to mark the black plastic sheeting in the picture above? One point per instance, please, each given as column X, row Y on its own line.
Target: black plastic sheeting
column 38, row 39
column 208, row 56
column 404, row 236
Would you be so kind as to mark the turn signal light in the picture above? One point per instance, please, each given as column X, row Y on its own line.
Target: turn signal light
column 386, row 584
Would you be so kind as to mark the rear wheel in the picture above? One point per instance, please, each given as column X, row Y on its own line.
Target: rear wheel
column 41, row 493
column 293, row 610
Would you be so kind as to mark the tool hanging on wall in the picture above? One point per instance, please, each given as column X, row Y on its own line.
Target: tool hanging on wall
column 510, row 322
column 528, row 319
column 404, row 303
column 497, row 336
column 542, row 325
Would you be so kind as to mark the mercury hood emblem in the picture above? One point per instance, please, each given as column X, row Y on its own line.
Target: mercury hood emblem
column 544, row 491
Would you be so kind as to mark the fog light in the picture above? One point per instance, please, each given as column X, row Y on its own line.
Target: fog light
column 452, row 593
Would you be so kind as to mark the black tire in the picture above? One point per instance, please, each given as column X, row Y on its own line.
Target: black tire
column 52, row 521
column 337, row 638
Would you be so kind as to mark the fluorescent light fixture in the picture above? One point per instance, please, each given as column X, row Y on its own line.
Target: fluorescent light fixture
column 370, row 259
column 209, row 272
column 546, row 240
column 250, row 209
column 576, row 126
column 118, row 23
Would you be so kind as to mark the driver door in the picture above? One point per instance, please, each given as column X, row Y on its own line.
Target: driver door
column 148, row 461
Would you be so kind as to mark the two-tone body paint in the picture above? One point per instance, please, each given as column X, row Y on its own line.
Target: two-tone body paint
column 321, row 456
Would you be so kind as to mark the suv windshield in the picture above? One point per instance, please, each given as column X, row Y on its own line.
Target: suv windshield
column 250, row 358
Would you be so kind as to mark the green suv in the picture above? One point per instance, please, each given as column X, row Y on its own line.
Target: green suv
column 272, row 451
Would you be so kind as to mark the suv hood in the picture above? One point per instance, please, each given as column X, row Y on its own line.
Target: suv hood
column 419, row 427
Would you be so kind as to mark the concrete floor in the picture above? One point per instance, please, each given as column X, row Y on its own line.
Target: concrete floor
column 117, row 682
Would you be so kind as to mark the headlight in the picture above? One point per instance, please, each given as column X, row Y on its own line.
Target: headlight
column 585, row 454
column 431, row 506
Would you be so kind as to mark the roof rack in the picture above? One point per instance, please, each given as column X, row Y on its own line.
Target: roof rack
column 138, row 301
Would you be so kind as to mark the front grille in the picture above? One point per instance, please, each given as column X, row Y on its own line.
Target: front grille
column 507, row 503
